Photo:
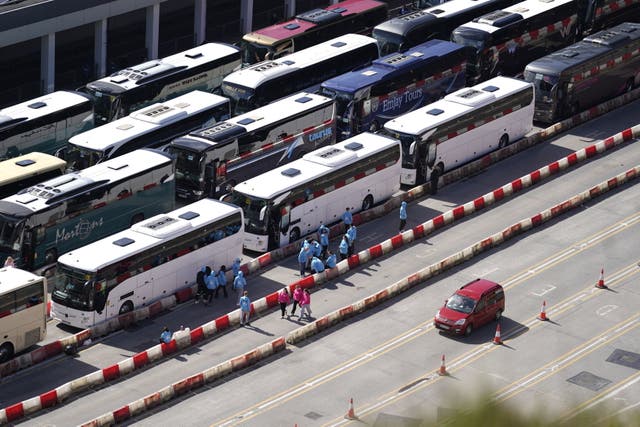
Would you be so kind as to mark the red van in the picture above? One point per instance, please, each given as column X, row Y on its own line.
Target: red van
column 473, row 305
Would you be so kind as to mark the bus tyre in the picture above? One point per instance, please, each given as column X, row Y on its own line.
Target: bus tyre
column 136, row 218
column 504, row 141
column 367, row 203
column 629, row 86
column 127, row 307
column 6, row 352
column 294, row 235
column 51, row 256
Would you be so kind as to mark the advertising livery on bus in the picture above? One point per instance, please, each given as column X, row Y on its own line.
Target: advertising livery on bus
column 586, row 73
column 267, row 81
column 44, row 124
column 211, row 161
column 149, row 261
column 150, row 127
column 396, row 84
column 312, row 27
column 201, row 67
column 55, row 216
column 291, row 201
column 462, row 127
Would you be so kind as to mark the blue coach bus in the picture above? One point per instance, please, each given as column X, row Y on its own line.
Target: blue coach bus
column 396, row 84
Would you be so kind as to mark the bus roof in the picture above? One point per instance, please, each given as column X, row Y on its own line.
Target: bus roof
column 256, row 74
column 41, row 106
column 21, row 167
column 12, row 278
column 498, row 19
column 147, row 234
column 226, row 131
column 56, row 190
column 310, row 19
column 131, row 77
column 391, row 65
column 587, row 50
column 147, row 120
column 313, row 165
column 455, row 104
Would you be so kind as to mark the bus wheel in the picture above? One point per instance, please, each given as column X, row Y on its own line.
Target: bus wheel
column 6, row 352
column 367, row 203
column 136, row 218
column 629, row 86
column 504, row 141
column 126, row 307
column 294, row 235
column 51, row 256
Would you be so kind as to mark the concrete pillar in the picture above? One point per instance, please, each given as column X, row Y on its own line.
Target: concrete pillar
column 100, row 47
column 289, row 8
column 48, row 62
column 246, row 16
column 200, row 22
column 152, row 30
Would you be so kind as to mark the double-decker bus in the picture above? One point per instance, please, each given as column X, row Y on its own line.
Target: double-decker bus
column 312, row 27
column 436, row 22
column 149, row 261
column 292, row 200
column 27, row 170
column 23, row 311
column 267, row 81
column 462, row 127
column 396, row 84
column 74, row 209
column 127, row 90
column 586, row 73
column 212, row 160
column 150, row 127
column 44, row 124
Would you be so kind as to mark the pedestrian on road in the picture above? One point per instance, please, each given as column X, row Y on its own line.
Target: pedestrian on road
column 297, row 297
column 331, row 260
column 245, row 308
column 239, row 284
column 305, row 305
column 165, row 336
column 303, row 259
column 317, row 266
column 202, row 286
column 212, row 284
column 316, row 249
column 323, row 235
column 283, row 299
column 403, row 215
column 235, row 267
column 9, row 262
column 222, row 281
column 351, row 236
column 347, row 218
column 344, row 248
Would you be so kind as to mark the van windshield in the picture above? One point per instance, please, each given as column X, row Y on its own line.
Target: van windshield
column 461, row 303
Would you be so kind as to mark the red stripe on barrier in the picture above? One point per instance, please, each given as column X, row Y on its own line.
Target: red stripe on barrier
column 438, row 221
column 554, row 167
column 111, row 372
column 307, row 282
column 572, row 158
column 609, row 143
column 121, row 414
column 536, row 219
column 322, row 323
column 613, row 182
column 396, row 241
column 486, row 243
column 631, row 173
column 222, row 322
column 49, row 399
column 353, row 261
column 535, row 176
column 155, row 308
column 516, row 185
column 458, row 212
column 197, row 335
column 478, row 203
column 272, row 299
column 14, row 412
column 183, row 295
column 187, row 384
column 594, row 191
column 264, row 259
column 375, row 251
column 345, row 311
column 590, row 150
column 413, row 279
column 152, row 400
column 418, row 231
column 140, row 359
column 279, row 344
column 170, row 347
column 627, row 134
column 238, row 363
column 498, row 194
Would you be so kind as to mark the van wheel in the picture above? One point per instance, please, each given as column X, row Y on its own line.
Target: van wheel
column 629, row 86
column 294, row 235
column 127, row 307
column 469, row 329
column 367, row 203
column 6, row 352
column 498, row 315
column 504, row 141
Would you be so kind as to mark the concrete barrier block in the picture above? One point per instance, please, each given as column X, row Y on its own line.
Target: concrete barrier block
column 138, row 406
column 82, row 383
column 387, row 246
column 209, row 329
column 126, row 366
column 260, row 305
column 154, row 353
column 102, row 420
column 63, row 392
column 182, row 338
column 31, row 405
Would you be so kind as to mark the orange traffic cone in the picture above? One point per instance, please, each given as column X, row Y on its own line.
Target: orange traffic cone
column 600, row 283
column 351, row 414
column 496, row 339
column 443, row 369
column 543, row 313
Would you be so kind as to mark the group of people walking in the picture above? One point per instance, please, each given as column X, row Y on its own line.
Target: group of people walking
column 211, row 282
column 301, row 297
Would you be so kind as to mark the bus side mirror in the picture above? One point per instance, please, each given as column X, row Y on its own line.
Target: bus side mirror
column 263, row 212
column 412, row 148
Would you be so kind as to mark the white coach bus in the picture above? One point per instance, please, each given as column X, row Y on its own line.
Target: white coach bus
column 149, row 261
column 290, row 201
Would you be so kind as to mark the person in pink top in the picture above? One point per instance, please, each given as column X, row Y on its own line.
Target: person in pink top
column 297, row 296
column 283, row 299
column 305, row 305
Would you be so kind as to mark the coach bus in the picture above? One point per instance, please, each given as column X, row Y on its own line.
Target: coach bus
column 462, row 127
column 586, row 73
column 211, row 161
column 27, row 170
column 201, row 67
column 396, row 84
column 150, row 127
column 267, row 81
column 292, row 200
column 312, row 27
column 23, row 311
column 437, row 22
column 44, row 124
column 149, row 261
column 74, row 209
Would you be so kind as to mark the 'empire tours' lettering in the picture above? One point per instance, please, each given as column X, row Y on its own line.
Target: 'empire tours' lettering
column 396, row 103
